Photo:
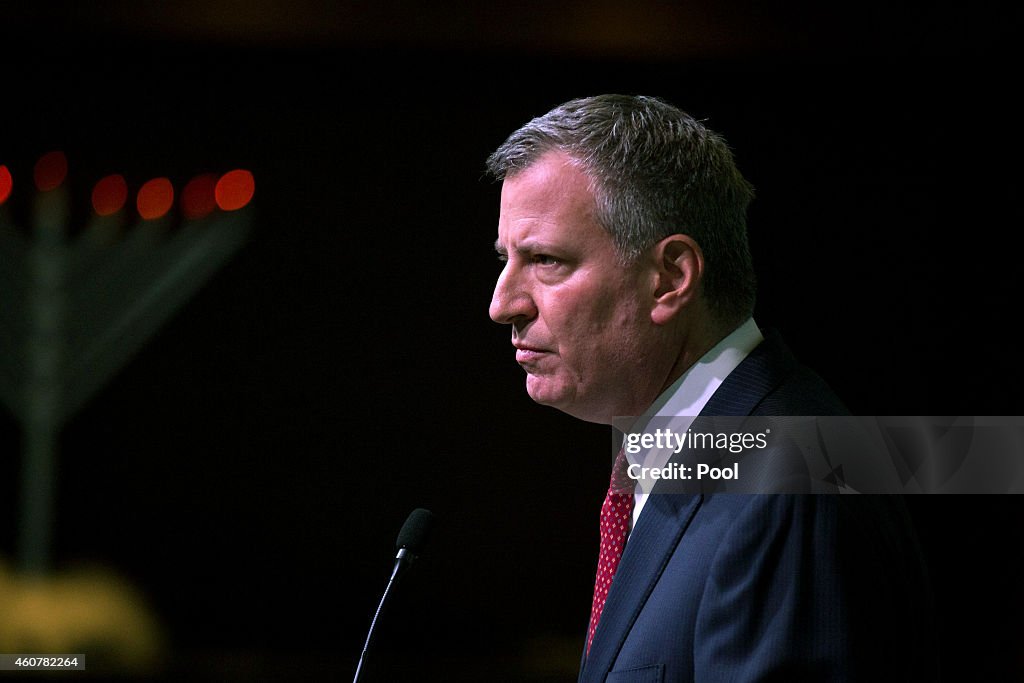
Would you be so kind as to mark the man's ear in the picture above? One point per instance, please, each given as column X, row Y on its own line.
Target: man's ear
column 678, row 272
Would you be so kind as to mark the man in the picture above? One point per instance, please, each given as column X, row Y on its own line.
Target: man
column 629, row 288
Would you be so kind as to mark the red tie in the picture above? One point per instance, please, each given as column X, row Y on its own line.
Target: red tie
column 616, row 517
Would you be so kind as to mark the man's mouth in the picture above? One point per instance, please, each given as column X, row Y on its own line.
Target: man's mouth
column 526, row 353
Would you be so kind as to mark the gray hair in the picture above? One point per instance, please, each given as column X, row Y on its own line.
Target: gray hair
column 655, row 171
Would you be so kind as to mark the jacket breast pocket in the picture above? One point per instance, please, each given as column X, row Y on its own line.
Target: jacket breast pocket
column 644, row 674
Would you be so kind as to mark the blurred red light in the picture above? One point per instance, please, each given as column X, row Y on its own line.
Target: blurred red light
column 197, row 198
column 6, row 184
column 109, row 195
column 155, row 198
column 50, row 171
column 235, row 189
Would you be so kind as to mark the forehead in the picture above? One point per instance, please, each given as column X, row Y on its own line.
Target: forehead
column 552, row 196
column 553, row 178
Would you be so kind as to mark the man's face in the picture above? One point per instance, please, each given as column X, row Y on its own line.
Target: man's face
column 578, row 319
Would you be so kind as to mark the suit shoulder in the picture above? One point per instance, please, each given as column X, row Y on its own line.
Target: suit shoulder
column 803, row 392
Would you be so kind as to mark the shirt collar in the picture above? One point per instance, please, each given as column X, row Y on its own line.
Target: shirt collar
column 689, row 394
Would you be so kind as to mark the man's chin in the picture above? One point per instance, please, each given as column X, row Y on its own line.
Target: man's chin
column 563, row 399
column 560, row 398
column 544, row 392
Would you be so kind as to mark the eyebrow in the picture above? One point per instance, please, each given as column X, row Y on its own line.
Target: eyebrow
column 529, row 246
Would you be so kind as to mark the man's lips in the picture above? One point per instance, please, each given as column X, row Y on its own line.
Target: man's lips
column 526, row 353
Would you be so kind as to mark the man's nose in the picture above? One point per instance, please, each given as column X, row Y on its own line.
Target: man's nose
column 511, row 300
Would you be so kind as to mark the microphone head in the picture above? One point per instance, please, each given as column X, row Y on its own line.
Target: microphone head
column 415, row 531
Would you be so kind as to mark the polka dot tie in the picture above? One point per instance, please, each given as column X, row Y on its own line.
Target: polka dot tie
column 616, row 517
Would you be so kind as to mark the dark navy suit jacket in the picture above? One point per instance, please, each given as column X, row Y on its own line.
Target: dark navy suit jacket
column 767, row 587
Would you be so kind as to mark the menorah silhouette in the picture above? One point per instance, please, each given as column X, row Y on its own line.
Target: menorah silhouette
column 75, row 306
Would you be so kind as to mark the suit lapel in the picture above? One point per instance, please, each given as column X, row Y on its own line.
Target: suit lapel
column 650, row 546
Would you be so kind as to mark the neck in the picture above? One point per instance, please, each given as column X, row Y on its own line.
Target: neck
column 696, row 342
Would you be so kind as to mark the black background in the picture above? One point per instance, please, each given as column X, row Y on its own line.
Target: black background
column 250, row 467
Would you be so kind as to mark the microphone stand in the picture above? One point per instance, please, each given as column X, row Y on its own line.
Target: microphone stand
column 402, row 559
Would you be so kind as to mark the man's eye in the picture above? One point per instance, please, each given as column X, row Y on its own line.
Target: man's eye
column 544, row 260
column 503, row 258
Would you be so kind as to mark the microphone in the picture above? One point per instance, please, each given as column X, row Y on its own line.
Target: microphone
column 412, row 537
column 410, row 543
